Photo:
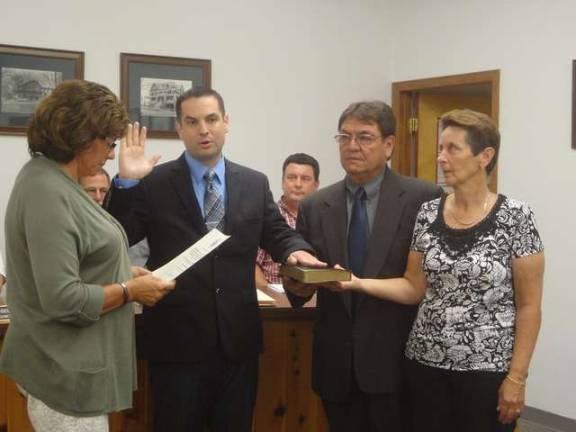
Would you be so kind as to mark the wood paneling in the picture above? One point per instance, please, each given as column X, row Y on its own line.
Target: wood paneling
column 16, row 409
column 285, row 401
column 3, row 413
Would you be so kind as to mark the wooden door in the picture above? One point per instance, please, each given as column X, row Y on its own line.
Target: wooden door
column 407, row 102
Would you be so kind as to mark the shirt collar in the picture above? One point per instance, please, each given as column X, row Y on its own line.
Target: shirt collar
column 372, row 187
column 198, row 169
column 282, row 203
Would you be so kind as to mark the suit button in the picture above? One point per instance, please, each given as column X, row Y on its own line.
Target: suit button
column 217, row 290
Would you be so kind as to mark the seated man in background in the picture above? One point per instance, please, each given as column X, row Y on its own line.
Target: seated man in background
column 300, row 178
column 97, row 187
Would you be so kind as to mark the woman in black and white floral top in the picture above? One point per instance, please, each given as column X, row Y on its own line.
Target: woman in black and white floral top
column 477, row 264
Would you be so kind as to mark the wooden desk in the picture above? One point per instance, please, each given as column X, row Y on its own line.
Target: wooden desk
column 285, row 401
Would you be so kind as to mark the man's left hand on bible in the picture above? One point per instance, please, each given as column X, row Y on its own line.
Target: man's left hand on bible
column 304, row 259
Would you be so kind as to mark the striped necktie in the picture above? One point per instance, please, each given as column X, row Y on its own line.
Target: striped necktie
column 213, row 203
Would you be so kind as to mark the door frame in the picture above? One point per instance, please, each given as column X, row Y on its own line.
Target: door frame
column 402, row 93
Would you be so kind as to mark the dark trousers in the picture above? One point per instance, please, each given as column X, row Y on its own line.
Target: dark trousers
column 367, row 412
column 453, row 401
column 213, row 395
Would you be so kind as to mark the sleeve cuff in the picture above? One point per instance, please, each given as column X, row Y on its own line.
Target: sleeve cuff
column 92, row 308
column 125, row 183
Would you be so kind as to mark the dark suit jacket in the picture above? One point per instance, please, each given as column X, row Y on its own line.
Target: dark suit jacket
column 377, row 334
column 214, row 302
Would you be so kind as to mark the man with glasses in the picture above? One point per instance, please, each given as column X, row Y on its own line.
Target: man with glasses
column 363, row 223
column 96, row 185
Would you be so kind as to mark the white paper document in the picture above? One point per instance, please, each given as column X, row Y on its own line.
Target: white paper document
column 191, row 256
column 279, row 288
column 264, row 299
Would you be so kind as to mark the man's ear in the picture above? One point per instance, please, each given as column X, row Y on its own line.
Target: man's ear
column 389, row 144
column 226, row 123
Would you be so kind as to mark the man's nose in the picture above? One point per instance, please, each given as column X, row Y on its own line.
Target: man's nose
column 353, row 144
column 202, row 127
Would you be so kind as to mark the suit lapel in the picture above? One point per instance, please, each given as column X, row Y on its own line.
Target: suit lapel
column 334, row 220
column 182, row 183
column 390, row 207
column 233, row 196
column 334, row 228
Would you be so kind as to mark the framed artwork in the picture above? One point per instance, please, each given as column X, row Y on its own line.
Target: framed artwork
column 573, row 104
column 150, row 85
column 26, row 76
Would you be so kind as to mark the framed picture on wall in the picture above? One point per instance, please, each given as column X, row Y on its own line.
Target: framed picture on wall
column 26, row 76
column 150, row 85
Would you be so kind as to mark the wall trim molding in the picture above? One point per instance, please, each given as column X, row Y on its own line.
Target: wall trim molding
column 548, row 419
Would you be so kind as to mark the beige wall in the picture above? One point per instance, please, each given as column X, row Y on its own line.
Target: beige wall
column 532, row 43
column 287, row 69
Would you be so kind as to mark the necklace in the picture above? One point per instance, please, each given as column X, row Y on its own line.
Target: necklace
column 484, row 207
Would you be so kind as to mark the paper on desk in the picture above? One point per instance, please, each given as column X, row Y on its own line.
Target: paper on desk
column 264, row 299
column 191, row 256
column 279, row 288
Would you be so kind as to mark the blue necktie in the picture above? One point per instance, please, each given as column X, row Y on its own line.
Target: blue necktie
column 358, row 234
column 213, row 203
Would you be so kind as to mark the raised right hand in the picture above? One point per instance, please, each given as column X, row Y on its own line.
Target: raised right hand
column 132, row 160
column 149, row 289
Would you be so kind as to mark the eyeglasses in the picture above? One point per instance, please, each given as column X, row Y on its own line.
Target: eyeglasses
column 362, row 139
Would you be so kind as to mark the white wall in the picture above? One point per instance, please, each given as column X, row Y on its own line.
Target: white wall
column 532, row 43
column 287, row 69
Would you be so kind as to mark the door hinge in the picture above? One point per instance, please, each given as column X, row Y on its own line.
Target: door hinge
column 412, row 125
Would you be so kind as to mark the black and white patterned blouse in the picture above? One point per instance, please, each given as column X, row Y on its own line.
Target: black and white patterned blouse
column 466, row 320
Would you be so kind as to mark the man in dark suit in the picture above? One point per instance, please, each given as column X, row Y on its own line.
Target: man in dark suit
column 203, row 340
column 364, row 223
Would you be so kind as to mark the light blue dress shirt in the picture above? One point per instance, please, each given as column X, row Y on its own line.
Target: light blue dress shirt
column 197, row 171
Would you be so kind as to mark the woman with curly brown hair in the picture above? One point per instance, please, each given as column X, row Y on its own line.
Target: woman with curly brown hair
column 70, row 344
